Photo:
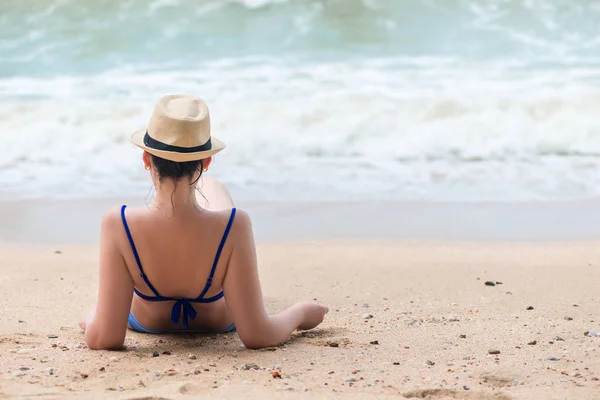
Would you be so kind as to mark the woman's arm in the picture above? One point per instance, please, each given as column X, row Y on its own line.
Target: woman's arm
column 106, row 328
column 244, row 298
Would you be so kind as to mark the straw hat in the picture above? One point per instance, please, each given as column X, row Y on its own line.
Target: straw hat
column 179, row 130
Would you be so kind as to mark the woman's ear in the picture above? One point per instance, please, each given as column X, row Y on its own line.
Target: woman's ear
column 206, row 163
column 146, row 159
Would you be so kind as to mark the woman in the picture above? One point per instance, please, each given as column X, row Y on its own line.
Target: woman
column 191, row 268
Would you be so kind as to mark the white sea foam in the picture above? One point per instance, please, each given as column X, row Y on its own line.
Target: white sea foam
column 337, row 99
column 373, row 129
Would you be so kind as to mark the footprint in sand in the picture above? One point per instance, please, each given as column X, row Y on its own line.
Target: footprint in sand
column 496, row 381
column 149, row 398
column 447, row 394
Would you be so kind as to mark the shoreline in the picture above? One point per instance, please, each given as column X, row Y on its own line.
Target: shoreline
column 36, row 221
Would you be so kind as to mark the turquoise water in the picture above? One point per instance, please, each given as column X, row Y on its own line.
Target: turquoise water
column 336, row 99
column 48, row 38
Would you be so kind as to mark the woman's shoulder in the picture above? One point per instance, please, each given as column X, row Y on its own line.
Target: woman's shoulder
column 115, row 222
column 239, row 219
column 237, row 222
column 117, row 217
column 113, row 217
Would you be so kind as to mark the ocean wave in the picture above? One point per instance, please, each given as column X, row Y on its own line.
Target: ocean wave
column 348, row 98
column 397, row 127
column 96, row 36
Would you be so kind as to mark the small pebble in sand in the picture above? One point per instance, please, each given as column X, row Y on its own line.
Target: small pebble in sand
column 192, row 356
column 249, row 366
column 532, row 343
column 166, row 353
column 25, row 351
column 529, row 308
column 396, row 363
column 429, row 362
column 333, row 344
column 374, row 342
column 367, row 316
column 490, row 283
column 351, row 379
column 492, row 351
column 113, row 359
column 558, row 339
column 364, row 305
column 52, row 337
column 19, row 373
column 276, row 374
column 465, row 387
column 591, row 334
column 462, row 336
column 553, row 358
column 102, row 369
column 155, row 354
column 498, row 283
column 49, row 371
column 569, row 318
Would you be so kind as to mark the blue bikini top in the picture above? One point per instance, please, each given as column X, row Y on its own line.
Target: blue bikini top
column 182, row 305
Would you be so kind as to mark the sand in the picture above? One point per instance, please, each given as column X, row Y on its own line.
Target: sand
column 408, row 320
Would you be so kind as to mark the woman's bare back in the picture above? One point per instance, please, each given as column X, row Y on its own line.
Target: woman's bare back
column 177, row 255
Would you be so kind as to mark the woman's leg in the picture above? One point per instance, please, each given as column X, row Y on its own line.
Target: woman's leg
column 213, row 195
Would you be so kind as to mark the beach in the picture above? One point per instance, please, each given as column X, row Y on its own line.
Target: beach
column 428, row 169
column 412, row 317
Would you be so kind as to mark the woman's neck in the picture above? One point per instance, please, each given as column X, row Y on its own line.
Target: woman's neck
column 178, row 196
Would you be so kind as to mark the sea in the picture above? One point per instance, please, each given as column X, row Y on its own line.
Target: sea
column 317, row 100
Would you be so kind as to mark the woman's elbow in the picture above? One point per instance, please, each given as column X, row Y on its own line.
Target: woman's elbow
column 97, row 341
column 253, row 343
column 260, row 338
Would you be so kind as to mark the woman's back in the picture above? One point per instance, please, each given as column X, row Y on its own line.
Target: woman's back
column 177, row 254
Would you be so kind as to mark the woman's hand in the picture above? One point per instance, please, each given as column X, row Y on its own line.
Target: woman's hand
column 87, row 319
column 313, row 315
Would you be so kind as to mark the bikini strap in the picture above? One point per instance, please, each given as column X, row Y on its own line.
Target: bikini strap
column 219, row 250
column 135, row 253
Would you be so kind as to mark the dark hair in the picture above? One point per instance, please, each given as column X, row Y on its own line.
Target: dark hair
column 168, row 169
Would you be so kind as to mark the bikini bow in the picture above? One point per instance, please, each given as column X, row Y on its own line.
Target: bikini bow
column 183, row 305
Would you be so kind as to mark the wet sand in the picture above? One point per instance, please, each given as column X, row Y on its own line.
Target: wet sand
column 77, row 221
